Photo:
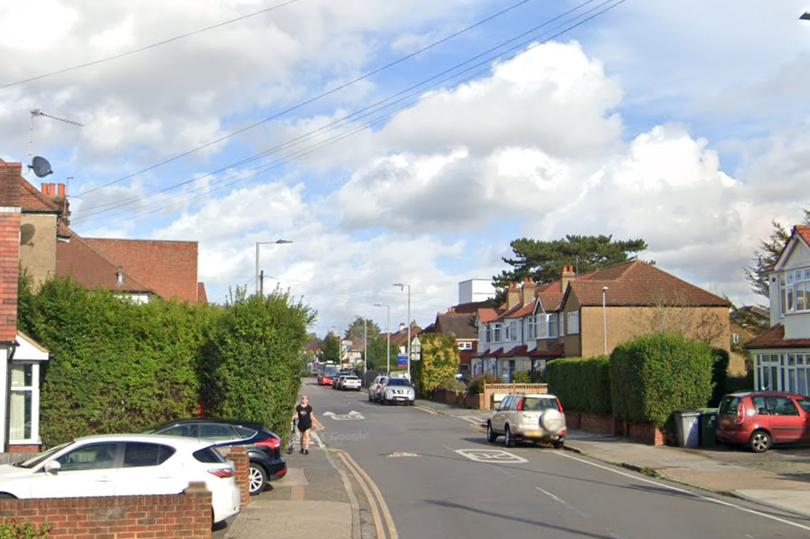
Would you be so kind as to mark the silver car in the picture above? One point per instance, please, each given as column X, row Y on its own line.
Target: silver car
column 538, row 418
column 397, row 390
column 375, row 388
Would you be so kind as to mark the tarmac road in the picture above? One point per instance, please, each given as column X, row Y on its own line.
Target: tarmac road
column 440, row 478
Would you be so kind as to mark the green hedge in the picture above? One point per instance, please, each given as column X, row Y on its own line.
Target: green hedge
column 653, row 376
column 582, row 385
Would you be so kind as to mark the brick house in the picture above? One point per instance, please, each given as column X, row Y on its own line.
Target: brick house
column 459, row 321
column 781, row 355
column 588, row 315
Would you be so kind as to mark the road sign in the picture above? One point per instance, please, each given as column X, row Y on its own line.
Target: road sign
column 402, row 360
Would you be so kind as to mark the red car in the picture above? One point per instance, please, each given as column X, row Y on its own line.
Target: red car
column 761, row 419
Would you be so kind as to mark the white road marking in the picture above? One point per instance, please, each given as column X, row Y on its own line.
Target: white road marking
column 317, row 439
column 564, row 503
column 471, row 419
column 683, row 491
column 491, row 456
column 402, row 454
column 351, row 416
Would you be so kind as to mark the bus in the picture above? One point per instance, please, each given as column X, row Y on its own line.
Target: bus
column 326, row 372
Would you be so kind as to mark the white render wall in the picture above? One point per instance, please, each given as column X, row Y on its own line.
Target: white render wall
column 475, row 290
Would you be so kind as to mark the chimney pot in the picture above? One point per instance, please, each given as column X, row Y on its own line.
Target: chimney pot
column 61, row 190
column 44, row 188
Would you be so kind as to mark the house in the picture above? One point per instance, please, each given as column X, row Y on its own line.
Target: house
column 20, row 356
column 459, row 321
column 781, row 355
column 588, row 315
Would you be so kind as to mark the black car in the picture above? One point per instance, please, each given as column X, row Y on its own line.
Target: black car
column 263, row 447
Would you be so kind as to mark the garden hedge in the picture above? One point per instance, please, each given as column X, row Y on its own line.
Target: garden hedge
column 582, row 385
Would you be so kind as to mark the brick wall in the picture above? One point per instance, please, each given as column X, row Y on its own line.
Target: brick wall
column 10, row 174
column 186, row 516
column 241, row 463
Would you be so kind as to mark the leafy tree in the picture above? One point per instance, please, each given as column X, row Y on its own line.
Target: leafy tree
column 377, row 355
column 543, row 261
column 769, row 250
column 330, row 349
column 438, row 364
column 357, row 330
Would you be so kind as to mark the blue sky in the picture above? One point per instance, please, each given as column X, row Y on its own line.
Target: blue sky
column 681, row 123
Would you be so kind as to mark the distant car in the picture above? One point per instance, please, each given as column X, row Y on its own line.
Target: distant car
column 124, row 465
column 338, row 380
column 375, row 388
column 350, row 383
column 263, row 447
column 396, row 390
column 761, row 419
column 538, row 418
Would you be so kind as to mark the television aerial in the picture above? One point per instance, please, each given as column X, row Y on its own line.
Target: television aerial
column 41, row 167
column 33, row 160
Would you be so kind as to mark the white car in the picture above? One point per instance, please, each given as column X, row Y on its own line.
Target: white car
column 124, row 465
column 350, row 382
column 375, row 389
column 397, row 390
column 538, row 418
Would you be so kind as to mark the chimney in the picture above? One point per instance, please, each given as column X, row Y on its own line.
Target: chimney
column 10, row 181
column 568, row 275
column 44, row 188
column 61, row 190
column 512, row 295
column 401, row 326
column 528, row 290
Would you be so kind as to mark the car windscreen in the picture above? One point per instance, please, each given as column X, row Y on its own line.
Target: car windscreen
column 398, row 382
column 728, row 405
column 34, row 461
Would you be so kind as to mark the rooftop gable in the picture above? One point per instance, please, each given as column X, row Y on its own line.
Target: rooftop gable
column 78, row 260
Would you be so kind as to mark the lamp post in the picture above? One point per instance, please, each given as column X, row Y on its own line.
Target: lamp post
column 365, row 347
column 604, row 314
column 279, row 242
column 402, row 287
column 387, row 333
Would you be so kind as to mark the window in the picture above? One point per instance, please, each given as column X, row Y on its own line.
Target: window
column 510, row 331
column 531, row 327
column 496, row 332
column 488, row 336
column 573, row 323
column 22, row 401
column 89, row 457
column 465, row 345
column 546, row 326
column 797, row 290
column 735, row 338
column 139, row 454
column 781, row 406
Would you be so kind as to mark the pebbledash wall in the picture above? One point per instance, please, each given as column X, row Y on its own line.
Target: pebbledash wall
column 186, row 515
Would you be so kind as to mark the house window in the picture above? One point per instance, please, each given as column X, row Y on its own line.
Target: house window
column 465, row 345
column 735, row 338
column 510, row 330
column 531, row 327
column 573, row 323
column 488, row 334
column 782, row 305
column 797, row 290
column 496, row 333
column 22, row 401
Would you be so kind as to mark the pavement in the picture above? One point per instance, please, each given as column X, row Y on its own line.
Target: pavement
column 322, row 495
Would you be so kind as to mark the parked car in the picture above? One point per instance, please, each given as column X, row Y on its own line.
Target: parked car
column 124, row 465
column 761, row 419
column 375, row 388
column 263, row 447
column 350, row 382
column 338, row 380
column 538, row 418
column 397, row 390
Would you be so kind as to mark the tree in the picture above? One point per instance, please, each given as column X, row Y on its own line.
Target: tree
column 671, row 313
column 330, row 349
column 438, row 364
column 769, row 250
column 377, row 355
column 357, row 330
column 544, row 261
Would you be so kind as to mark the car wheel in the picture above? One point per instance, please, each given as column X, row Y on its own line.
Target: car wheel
column 491, row 436
column 257, row 479
column 508, row 441
column 760, row 441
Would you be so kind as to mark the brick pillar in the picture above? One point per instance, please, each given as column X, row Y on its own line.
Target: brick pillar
column 241, row 463
column 198, row 499
column 10, row 178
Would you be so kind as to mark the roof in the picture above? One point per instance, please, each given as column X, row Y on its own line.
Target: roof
column 487, row 315
column 78, row 260
column 554, row 351
column 775, row 338
column 803, row 231
column 169, row 268
column 637, row 283
column 33, row 201
column 462, row 326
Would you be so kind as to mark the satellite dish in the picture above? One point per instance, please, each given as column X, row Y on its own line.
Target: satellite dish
column 41, row 167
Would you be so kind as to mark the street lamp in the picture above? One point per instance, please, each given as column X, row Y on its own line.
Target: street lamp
column 279, row 242
column 388, row 334
column 402, row 287
column 604, row 313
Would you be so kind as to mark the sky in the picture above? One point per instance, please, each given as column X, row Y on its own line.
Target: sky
column 411, row 142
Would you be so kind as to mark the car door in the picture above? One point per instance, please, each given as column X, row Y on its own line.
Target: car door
column 87, row 470
column 145, row 470
column 787, row 425
column 499, row 418
column 804, row 410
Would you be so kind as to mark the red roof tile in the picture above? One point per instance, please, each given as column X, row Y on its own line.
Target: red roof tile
column 556, row 350
column 775, row 338
column 803, row 231
column 462, row 326
column 76, row 259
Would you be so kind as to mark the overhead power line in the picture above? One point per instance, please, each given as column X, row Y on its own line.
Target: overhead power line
column 147, row 47
column 311, row 100
column 435, row 80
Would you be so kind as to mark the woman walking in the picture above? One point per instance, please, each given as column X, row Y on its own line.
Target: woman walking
column 303, row 414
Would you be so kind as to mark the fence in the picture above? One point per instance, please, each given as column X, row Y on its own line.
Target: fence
column 494, row 393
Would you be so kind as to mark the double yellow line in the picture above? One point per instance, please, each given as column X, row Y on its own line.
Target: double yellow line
column 383, row 522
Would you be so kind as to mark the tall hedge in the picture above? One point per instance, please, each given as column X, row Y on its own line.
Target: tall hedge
column 438, row 364
column 582, row 385
column 251, row 368
column 653, row 376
